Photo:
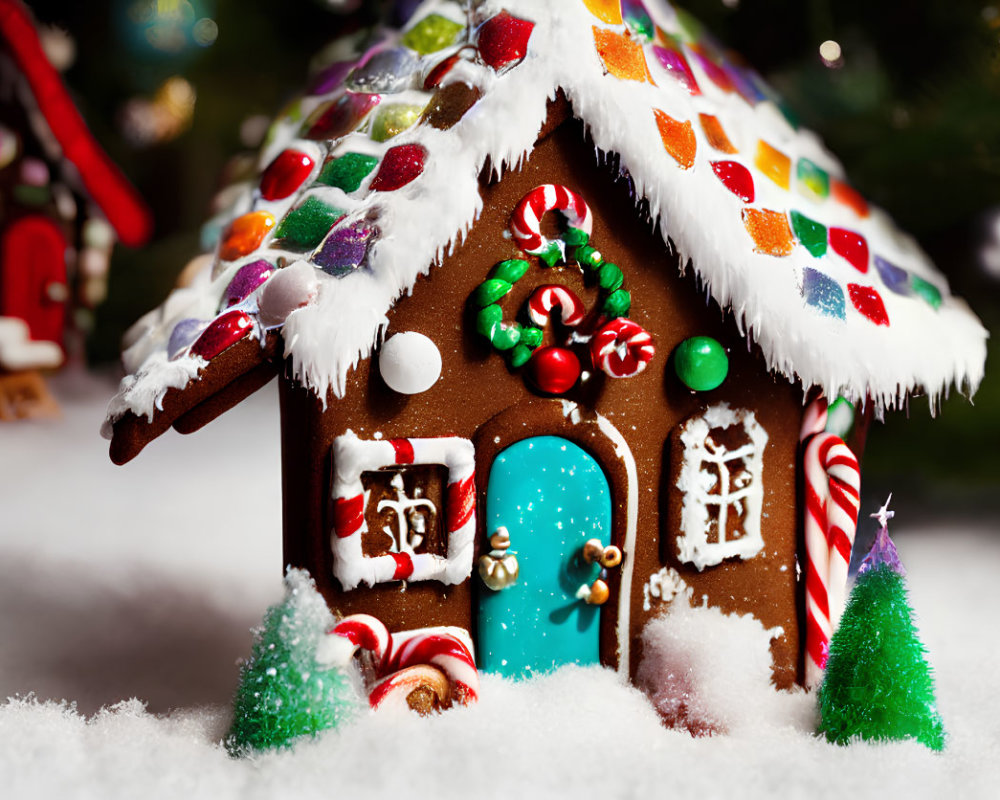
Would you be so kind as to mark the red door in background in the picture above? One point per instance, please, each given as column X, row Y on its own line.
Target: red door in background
column 33, row 276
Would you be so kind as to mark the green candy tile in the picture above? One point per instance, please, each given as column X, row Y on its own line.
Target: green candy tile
column 813, row 181
column 811, row 234
column 393, row 119
column 928, row 291
column 434, row 32
column 347, row 171
column 304, row 227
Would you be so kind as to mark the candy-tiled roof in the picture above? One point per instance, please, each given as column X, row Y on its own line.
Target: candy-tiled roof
column 827, row 286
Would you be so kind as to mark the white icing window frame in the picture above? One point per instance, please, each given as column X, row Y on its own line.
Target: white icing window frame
column 352, row 457
column 693, row 546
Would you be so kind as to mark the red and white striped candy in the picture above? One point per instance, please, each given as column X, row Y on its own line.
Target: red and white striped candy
column 550, row 296
column 833, row 496
column 367, row 633
column 447, row 653
column 525, row 222
column 622, row 348
column 393, row 689
column 813, row 419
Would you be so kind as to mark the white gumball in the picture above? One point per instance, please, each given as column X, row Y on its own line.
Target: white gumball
column 410, row 363
column 287, row 290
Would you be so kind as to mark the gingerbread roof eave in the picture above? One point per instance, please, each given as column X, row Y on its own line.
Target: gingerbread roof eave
column 860, row 312
column 103, row 181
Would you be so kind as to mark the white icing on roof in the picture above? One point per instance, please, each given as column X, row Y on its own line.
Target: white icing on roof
column 922, row 346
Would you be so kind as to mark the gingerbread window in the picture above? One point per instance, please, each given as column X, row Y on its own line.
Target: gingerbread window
column 720, row 478
column 403, row 509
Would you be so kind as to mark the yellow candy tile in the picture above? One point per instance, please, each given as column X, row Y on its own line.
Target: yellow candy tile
column 678, row 138
column 605, row 10
column 774, row 164
column 622, row 55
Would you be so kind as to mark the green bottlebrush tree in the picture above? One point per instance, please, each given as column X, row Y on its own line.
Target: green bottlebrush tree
column 285, row 692
column 878, row 685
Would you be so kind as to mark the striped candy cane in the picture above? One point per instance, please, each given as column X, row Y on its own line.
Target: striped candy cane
column 833, row 484
column 550, row 296
column 622, row 348
column 411, row 660
column 525, row 222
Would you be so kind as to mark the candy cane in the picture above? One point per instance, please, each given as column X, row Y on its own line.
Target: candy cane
column 550, row 296
column 525, row 222
column 833, row 484
column 394, row 689
column 367, row 633
column 447, row 653
column 813, row 419
column 622, row 348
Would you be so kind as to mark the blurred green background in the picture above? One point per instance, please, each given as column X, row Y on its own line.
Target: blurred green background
column 912, row 107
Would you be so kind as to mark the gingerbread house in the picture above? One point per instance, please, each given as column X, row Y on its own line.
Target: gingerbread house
column 63, row 204
column 555, row 294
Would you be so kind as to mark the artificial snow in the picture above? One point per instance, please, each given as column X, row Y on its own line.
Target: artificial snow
column 144, row 581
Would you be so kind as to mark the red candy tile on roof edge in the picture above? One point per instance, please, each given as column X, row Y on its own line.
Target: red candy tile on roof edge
column 869, row 303
column 503, row 40
column 851, row 246
column 736, row 178
column 400, row 165
column 224, row 331
column 285, row 174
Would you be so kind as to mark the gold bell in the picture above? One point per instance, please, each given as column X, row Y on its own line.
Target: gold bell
column 498, row 568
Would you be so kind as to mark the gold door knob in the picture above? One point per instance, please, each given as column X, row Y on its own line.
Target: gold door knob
column 596, row 594
column 595, row 552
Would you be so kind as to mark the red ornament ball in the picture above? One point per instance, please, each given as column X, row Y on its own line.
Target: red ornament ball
column 554, row 370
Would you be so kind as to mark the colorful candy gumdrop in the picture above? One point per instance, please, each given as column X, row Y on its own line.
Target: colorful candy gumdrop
column 385, row 71
column 621, row 56
column 554, row 370
column 849, row 196
column 400, row 165
column 868, row 302
column 344, row 249
column 715, row 73
column 305, row 226
column 813, row 181
column 736, row 178
column 637, row 20
column 223, row 332
column 285, row 174
column 811, row 234
column 774, row 164
column 448, row 105
column 346, row 172
column 246, row 281
column 823, row 293
column 851, row 246
column 391, row 120
column 289, row 289
column 678, row 138
column 434, row 32
column 673, row 61
column 928, row 291
column 605, row 10
column 716, row 134
column 183, row 334
column 503, row 40
column 769, row 230
column 339, row 117
column 895, row 278
column 244, row 235
column 701, row 363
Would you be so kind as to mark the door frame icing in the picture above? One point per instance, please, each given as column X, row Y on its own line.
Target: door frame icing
column 597, row 436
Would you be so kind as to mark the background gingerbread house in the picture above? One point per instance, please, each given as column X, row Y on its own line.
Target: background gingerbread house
column 397, row 266
column 63, row 205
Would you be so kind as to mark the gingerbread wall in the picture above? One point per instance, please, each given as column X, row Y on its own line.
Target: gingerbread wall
column 480, row 398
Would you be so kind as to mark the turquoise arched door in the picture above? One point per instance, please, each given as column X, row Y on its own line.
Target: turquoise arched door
column 552, row 497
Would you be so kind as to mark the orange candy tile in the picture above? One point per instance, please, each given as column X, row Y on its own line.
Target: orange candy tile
column 678, row 138
column 770, row 231
column 608, row 11
column 244, row 235
column 716, row 134
column 622, row 55
column 849, row 196
column 774, row 164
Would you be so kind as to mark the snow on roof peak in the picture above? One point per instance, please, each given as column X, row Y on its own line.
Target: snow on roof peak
column 828, row 287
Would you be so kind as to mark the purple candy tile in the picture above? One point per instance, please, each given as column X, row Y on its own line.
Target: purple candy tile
column 344, row 249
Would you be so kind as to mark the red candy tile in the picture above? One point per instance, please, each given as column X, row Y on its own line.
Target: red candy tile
column 503, row 40
column 285, row 174
column 868, row 302
column 851, row 246
column 736, row 178
column 399, row 166
column 436, row 75
column 225, row 331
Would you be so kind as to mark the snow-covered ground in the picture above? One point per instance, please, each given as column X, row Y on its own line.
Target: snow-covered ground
column 143, row 582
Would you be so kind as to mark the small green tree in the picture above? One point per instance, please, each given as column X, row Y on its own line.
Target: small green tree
column 284, row 691
column 878, row 685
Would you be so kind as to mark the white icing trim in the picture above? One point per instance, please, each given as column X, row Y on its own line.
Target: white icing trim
column 692, row 545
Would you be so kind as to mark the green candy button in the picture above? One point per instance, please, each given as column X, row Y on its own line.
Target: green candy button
column 701, row 363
